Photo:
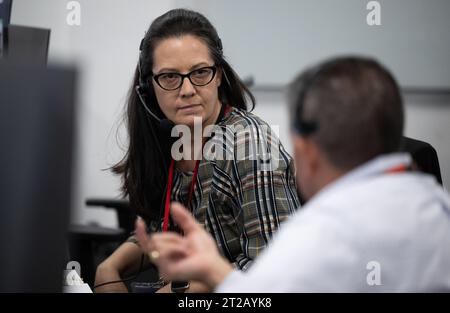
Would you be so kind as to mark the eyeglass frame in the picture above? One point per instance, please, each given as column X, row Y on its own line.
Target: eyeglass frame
column 183, row 76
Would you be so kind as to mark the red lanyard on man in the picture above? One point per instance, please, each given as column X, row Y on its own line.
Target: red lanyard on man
column 397, row 169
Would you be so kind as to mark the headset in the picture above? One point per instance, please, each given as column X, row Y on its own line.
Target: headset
column 302, row 127
column 142, row 90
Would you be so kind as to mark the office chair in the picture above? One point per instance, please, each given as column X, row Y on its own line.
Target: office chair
column 91, row 244
column 424, row 156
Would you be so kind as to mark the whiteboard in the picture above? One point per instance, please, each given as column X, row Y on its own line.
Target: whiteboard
column 272, row 40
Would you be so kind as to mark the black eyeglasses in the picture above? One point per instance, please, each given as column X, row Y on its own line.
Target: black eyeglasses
column 199, row 77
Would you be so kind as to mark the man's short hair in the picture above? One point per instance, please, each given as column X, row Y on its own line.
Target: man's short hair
column 351, row 107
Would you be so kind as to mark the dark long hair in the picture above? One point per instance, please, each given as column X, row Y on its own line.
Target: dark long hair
column 145, row 165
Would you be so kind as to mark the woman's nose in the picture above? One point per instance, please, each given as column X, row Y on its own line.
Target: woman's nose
column 187, row 89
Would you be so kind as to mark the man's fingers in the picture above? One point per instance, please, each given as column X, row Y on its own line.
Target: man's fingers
column 183, row 218
column 167, row 237
column 171, row 251
column 184, row 269
column 141, row 235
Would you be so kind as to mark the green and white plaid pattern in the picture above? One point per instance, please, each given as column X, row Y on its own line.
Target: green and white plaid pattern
column 241, row 200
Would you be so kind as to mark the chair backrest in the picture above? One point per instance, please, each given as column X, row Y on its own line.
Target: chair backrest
column 125, row 214
column 424, row 156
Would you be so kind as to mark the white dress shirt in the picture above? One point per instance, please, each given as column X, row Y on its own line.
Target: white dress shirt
column 369, row 231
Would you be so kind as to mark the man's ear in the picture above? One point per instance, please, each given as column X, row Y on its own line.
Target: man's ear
column 307, row 153
column 298, row 146
column 313, row 156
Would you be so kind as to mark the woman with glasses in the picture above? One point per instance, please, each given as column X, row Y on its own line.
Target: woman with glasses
column 183, row 80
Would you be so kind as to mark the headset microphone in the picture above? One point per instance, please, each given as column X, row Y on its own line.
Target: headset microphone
column 141, row 98
column 165, row 124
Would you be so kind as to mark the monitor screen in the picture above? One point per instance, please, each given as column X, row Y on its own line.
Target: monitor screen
column 36, row 136
column 27, row 44
column 5, row 11
column 5, row 16
column 1, row 39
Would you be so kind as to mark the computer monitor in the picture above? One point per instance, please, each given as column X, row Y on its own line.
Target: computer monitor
column 21, row 43
column 5, row 16
column 1, row 39
column 36, row 139
column 27, row 44
column 5, row 11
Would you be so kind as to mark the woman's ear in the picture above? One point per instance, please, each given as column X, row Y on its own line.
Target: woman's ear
column 219, row 76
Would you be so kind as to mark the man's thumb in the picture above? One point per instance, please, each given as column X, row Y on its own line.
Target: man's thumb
column 183, row 218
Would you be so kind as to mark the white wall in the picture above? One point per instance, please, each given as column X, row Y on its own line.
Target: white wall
column 105, row 47
column 427, row 119
column 291, row 34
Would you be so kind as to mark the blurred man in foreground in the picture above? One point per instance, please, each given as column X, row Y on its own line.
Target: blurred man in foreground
column 370, row 223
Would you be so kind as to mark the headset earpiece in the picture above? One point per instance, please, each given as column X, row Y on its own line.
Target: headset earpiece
column 145, row 92
column 300, row 125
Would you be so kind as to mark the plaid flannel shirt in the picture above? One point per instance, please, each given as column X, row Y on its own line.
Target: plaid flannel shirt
column 240, row 200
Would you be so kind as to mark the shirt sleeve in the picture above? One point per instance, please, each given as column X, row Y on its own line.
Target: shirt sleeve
column 265, row 195
column 132, row 239
column 254, row 189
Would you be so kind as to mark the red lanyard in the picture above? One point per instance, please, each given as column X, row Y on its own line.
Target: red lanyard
column 227, row 109
column 169, row 191
column 397, row 169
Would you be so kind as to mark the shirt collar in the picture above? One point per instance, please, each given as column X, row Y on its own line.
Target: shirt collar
column 376, row 166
